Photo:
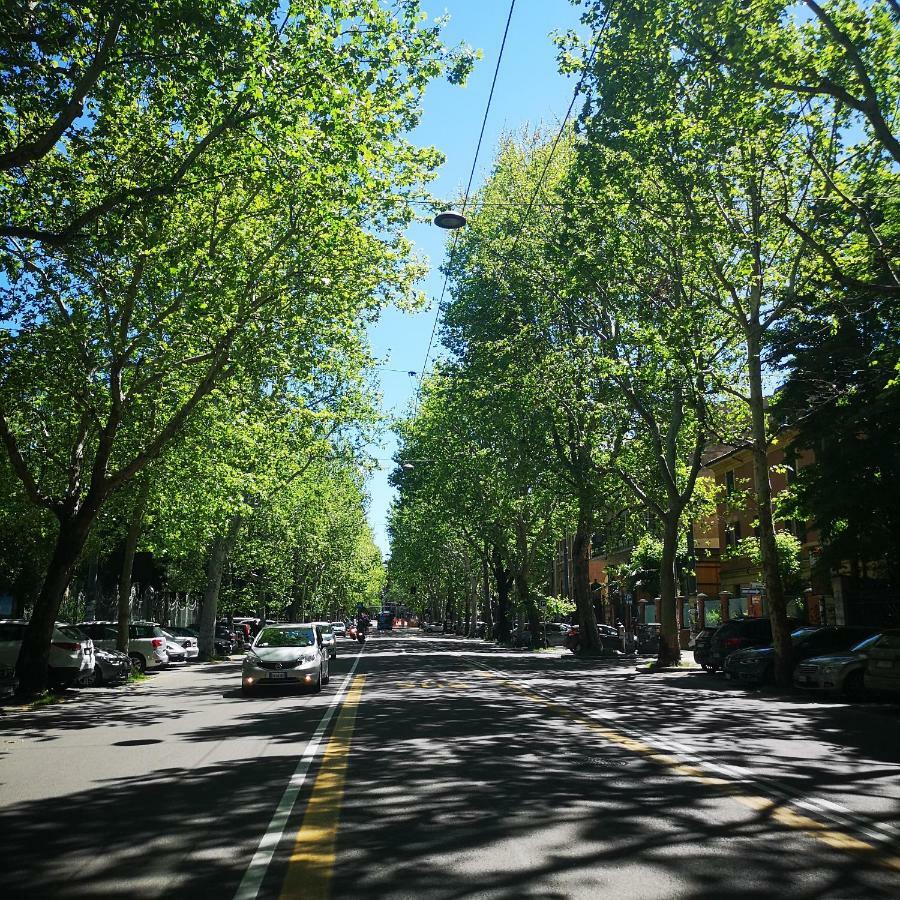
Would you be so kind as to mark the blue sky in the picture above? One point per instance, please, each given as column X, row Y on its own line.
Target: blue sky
column 529, row 92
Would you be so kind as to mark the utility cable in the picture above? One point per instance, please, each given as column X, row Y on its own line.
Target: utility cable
column 487, row 109
column 578, row 87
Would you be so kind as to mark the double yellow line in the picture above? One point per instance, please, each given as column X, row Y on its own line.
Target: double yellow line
column 311, row 864
column 778, row 811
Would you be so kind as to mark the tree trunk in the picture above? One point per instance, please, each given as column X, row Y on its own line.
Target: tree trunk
column 584, row 606
column 34, row 654
column 781, row 635
column 486, row 600
column 131, row 543
column 669, row 645
column 221, row 548
column 529, row 608
column 501, row 577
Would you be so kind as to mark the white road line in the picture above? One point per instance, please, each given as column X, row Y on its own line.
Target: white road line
column 881, row 832
column 259, row 865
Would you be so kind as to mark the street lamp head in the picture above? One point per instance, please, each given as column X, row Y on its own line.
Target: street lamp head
column 450, row 219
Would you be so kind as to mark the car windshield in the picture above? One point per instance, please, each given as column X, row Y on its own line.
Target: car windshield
column 326, row 630
column 70, row 631
column 890, row 640
column 864, row 645
column 802, row 633
column 286, row 637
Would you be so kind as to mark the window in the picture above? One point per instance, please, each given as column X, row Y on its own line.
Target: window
column 729, row 482
column 732, row 534
column 790, row 465
column 145, row 631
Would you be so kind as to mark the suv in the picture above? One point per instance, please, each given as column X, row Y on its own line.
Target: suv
column 146, row 642
column 734, row 635
column 71, row 653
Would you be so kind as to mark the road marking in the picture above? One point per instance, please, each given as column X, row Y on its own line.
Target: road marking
column 779, row 809
column 312, row 862
column 259, row 865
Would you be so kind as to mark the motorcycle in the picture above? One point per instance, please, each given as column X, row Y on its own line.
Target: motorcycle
column 361, row 635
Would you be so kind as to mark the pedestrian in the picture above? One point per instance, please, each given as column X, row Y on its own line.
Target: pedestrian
column 621, row 629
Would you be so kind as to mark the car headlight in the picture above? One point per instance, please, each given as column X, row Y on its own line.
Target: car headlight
column 250, row 657
column 307, row 658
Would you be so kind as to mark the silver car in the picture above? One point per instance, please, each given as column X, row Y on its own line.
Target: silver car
column 838, row 673
column 286, row 654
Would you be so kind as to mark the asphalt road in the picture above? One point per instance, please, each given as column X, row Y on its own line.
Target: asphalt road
column 442, row 768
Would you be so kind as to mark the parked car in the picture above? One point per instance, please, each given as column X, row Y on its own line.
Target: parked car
column 109, row 665
column 224, row 640
column 647, row 635
column 609, row 638
column 186, row 644
column 71, row 652
column 557, row 632
column 146, row 642
column 328, row 639
column 286, row 654
column 231, row 634
column 883, row 665
column 433, row 627
column 176, row 653
column 187, row 638
column 339, row 629
column 737, row 634
column 9, row 684
column 757, row 664
column 702, row 646
column 837, row 672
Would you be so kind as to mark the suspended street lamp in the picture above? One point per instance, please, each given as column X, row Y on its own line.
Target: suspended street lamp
column 450, row 219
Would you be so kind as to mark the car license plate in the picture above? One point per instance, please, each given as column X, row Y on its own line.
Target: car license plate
column 276, row 675
column 883, row 664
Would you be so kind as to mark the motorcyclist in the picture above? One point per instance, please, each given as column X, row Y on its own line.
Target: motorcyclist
column 362, row 624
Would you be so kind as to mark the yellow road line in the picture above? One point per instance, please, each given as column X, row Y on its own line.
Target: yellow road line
column 312, row 862
column 779, row 812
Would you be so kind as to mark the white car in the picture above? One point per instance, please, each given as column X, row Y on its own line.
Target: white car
column 339, row 629
column 186, row 644
column 286, row 654
column 328, row 638
column 186, row 638
column 146, row 642
column 71, row 652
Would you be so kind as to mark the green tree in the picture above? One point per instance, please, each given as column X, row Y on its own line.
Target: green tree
column 115, row 338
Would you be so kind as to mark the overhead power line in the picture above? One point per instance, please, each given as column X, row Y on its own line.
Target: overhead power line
column 487, row 109
column 578, row 87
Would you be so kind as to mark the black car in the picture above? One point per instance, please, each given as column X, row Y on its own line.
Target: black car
column 758, row 665
column 702, row 646
column 9, row 684
column 734, row 635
